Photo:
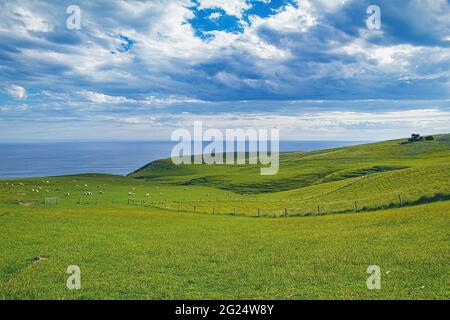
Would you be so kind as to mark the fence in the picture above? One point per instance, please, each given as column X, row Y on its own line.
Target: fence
column 274, row 209
column 267, row 208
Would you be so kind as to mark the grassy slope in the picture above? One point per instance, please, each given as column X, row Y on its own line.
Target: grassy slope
column 128, row 251
column 373, row 175
column 298, row 170
column 144, row 254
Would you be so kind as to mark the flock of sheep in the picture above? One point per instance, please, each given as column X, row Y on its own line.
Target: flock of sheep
column 86, row 193
column 85, row 186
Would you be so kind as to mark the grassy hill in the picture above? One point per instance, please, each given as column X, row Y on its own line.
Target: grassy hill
column 169, row 232
column 364, row 177
column 140, row 253
column 299, row 170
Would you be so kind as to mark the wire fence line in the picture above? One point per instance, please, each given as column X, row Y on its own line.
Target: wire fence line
column 267, row 208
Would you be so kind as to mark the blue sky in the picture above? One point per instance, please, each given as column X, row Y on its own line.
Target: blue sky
column 139, row 70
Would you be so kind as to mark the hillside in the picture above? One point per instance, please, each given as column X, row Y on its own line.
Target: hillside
column 304, row 169
column 182, row 233
column 365, row 177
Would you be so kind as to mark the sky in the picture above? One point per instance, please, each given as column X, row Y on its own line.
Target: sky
column 138, row 70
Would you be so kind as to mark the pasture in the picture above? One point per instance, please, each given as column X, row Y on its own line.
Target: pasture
column 225, row 232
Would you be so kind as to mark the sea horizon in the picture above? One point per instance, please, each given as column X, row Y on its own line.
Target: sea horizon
column 31, row 159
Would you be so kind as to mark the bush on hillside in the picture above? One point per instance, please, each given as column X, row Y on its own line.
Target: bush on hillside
column 417, row 138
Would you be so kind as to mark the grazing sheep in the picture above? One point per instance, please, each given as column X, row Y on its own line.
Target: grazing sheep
column 100, row 192
column 130, row 193
column 67, row 194
column 147, row 195
column 85, row 185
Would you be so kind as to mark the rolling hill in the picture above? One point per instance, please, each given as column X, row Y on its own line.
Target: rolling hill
column 226, row 232
column 364, row 177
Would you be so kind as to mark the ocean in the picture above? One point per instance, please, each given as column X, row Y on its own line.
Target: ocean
column 42, row 159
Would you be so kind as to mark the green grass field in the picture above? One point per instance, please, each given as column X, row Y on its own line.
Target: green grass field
column 226, row 232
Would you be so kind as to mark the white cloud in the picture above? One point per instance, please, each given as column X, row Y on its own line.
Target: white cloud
column 170, row 100
column 101, row 98
column 17, row 92
column 215, row 15
column 290, row 19
column 31, row 21
column 231, row 7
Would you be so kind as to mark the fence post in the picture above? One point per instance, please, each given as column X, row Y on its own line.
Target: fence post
column 356, row 206
column 285, row 212
column 400, row 199
column 318, row 210
column 195, row 209
column 259, row 213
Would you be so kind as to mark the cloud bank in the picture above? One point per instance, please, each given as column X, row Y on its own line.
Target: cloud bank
column 154, row 64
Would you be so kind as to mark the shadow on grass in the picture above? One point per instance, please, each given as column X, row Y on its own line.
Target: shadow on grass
column 408, row 203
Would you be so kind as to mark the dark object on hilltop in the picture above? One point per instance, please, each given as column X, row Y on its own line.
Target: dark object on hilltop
column 417, row 138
